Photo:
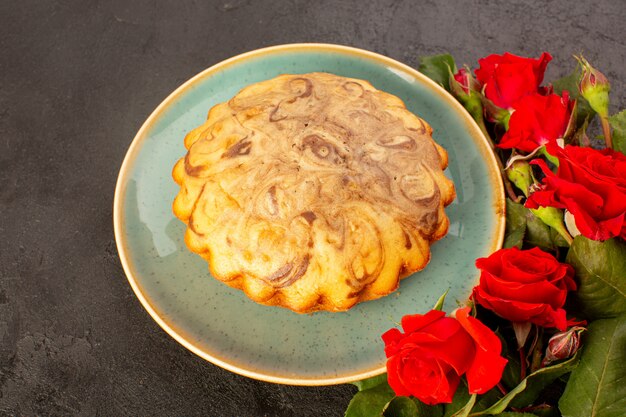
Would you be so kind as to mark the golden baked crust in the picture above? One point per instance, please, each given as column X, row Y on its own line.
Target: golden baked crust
column 313, row 192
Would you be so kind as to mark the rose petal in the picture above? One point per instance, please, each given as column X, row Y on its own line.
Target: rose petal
column 517, row 311
column 537, row 292
column 487, row 367
column 391, row 338
column 457, row 351
column 435, row 384
column 485, row 372
column 394, row 365
column 412, row 323
column 507, row 78
column 537, row 120
column 591, row 185
column 493, row 263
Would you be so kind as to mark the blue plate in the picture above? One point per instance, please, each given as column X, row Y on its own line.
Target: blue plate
column 271, row 343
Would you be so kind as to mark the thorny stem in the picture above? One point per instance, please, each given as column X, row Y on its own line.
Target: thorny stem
column 606, row 129
column 502, row 389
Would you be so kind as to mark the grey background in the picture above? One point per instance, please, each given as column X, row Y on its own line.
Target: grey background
column 77, row 80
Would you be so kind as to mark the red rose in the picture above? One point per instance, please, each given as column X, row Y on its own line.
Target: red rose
column 525, row 286
column 428, row 359
column 507, row 78
column 538, row 120
column 464, row 80
column 591, row 185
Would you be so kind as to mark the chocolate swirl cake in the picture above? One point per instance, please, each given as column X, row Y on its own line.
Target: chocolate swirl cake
column 313, row 192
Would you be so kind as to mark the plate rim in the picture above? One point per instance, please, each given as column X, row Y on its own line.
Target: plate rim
column 483, row 144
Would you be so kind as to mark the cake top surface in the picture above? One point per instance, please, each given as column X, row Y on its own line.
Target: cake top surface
column 303, row 174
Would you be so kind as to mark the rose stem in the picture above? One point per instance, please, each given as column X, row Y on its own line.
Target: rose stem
column 502, row 389
column 537, row 352
column 606, row 129
column 530, row 408
column 522, row 363
column 507, row 184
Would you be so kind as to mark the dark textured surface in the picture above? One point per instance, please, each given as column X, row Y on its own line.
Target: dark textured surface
column 77, row 80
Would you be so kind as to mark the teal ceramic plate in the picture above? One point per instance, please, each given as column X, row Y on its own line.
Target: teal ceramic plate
column 273, row 344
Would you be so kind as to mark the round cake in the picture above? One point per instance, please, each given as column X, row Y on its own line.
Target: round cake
column 313, row 192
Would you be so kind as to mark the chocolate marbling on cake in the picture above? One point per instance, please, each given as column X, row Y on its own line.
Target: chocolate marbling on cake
column 313, row 192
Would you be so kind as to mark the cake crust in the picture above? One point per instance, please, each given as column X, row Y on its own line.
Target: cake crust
column 313, row 192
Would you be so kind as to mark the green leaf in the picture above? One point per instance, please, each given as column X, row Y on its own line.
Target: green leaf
column 522, row 226
column 540, row 379
column 515, row 224
column 410, row 407
column 537, row 232
column 487, row 399
column 463, row 403
column 570, row 84
column 370, row 402
column 515, row 414
column 464, row 412
column 618, row 124
column 557, row 239
column 460, row 399
column 597, row 388
column 511, row 374
column 401, row 407
column 601, row 270
column 437, row 68
column 501, row 405
column 515, row 237
column 439, row 304
column 371, row 382
column 528, row 390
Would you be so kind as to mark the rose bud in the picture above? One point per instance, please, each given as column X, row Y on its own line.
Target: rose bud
column 594, row 87
column 467, row 90
column 519, row 173
column 462, row 83
column 563, row 345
